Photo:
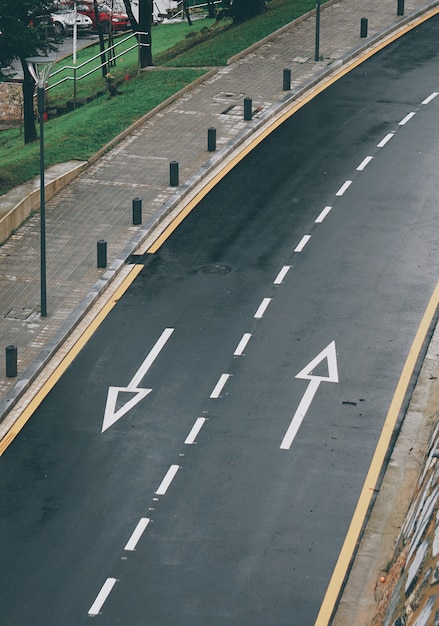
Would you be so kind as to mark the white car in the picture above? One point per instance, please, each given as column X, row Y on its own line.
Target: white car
column 63, row 22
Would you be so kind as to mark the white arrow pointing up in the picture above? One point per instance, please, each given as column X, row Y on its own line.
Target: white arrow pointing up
column 111, row 415
column 329, row 354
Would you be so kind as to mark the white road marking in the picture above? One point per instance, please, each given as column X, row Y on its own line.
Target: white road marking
column 431, row 97
column 284, row 271
column 135, row 395
column 299, row 415
column 102, row 596
column 169, row 477
column 330, row 354
column 363, row 163
column 345, row 186
column 137, row 533
column 302, row 243
column 262, row 308
column 407, row 118
column 111, row 415
column 155, row 351
column 199, row 422
column 387, row 138
column 242, row 344
column 323, row 214
column 219, row 386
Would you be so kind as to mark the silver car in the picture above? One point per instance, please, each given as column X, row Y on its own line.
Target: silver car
column 63, row 22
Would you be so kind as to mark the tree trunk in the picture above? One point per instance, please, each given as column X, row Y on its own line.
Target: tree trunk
column 145, row 24
column 211, row 8
column 30, row 130
column 186, row 12
column 101, row 39
column 129, row 10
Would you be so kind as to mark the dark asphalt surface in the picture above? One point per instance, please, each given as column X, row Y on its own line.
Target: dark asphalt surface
column 246, row 533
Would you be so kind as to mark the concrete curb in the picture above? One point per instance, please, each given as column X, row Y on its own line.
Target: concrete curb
column 14, row 212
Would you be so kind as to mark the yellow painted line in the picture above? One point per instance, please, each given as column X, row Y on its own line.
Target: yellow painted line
column 67, row 360
column 359, row 517
column 298, row 104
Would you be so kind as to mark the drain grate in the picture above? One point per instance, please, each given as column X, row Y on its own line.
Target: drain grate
column 17, row 313
column 232, row 106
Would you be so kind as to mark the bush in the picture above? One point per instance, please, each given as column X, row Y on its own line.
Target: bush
column 241, row 10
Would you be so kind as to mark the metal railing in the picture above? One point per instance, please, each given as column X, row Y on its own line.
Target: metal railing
column 110, row 58
column 179, row 9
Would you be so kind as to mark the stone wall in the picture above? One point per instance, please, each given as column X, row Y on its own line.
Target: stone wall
column 11, row 101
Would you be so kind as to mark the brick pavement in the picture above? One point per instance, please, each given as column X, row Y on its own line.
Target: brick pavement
column 97, row 204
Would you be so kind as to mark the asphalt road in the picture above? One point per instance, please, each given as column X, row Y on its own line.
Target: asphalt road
column 193, row 508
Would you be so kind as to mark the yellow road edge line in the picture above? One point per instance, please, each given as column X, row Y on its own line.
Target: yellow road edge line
column 68, row 359
column 358, row 519
column 281, row 118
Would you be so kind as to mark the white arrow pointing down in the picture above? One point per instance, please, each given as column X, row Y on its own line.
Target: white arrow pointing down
column 111, row 415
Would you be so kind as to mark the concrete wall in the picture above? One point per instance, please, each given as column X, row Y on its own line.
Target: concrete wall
column 11, row 101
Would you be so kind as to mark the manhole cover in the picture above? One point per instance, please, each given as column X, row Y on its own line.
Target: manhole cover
column 19, row 314
column 215, row 268
column 228, row 95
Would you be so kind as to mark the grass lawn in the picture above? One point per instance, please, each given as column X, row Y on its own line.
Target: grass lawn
column 81, row 133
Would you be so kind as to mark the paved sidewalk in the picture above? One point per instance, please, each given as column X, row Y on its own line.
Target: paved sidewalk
column 97, row 204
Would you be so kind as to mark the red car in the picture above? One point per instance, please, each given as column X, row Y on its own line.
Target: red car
column 107, row 17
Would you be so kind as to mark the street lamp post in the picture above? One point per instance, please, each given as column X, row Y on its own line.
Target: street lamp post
column 40, row 67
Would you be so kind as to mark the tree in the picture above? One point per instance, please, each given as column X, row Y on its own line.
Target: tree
column 241, row 10
column 186, row 12
column 211, row 8
column 24, row 36
column 143, row 26
column 104, row 67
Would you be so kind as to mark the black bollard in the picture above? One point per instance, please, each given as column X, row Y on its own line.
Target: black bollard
column 137, row 211
column 211, row 139
column 248, row 113
column 102, row 253
column 363, row 27
column 287, row 79
column 11, row 361
column 173, row 173
column 400, row 9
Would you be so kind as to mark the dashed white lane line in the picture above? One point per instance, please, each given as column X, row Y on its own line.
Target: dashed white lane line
column 364, row 163
column 102, row 596
column 262, row 308
column 323, row 214
column 302, row 243
column 431, row 97
column 137, row 533
column 407, row 118
column 219, row 386
column 345, row 186
column 242, row 344
column 169, row 477
column 387, row 138
column 284, row 271
column 199, row 423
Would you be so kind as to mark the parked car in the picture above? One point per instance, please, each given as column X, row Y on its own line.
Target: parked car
column 108, row 18
column 63, row 22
